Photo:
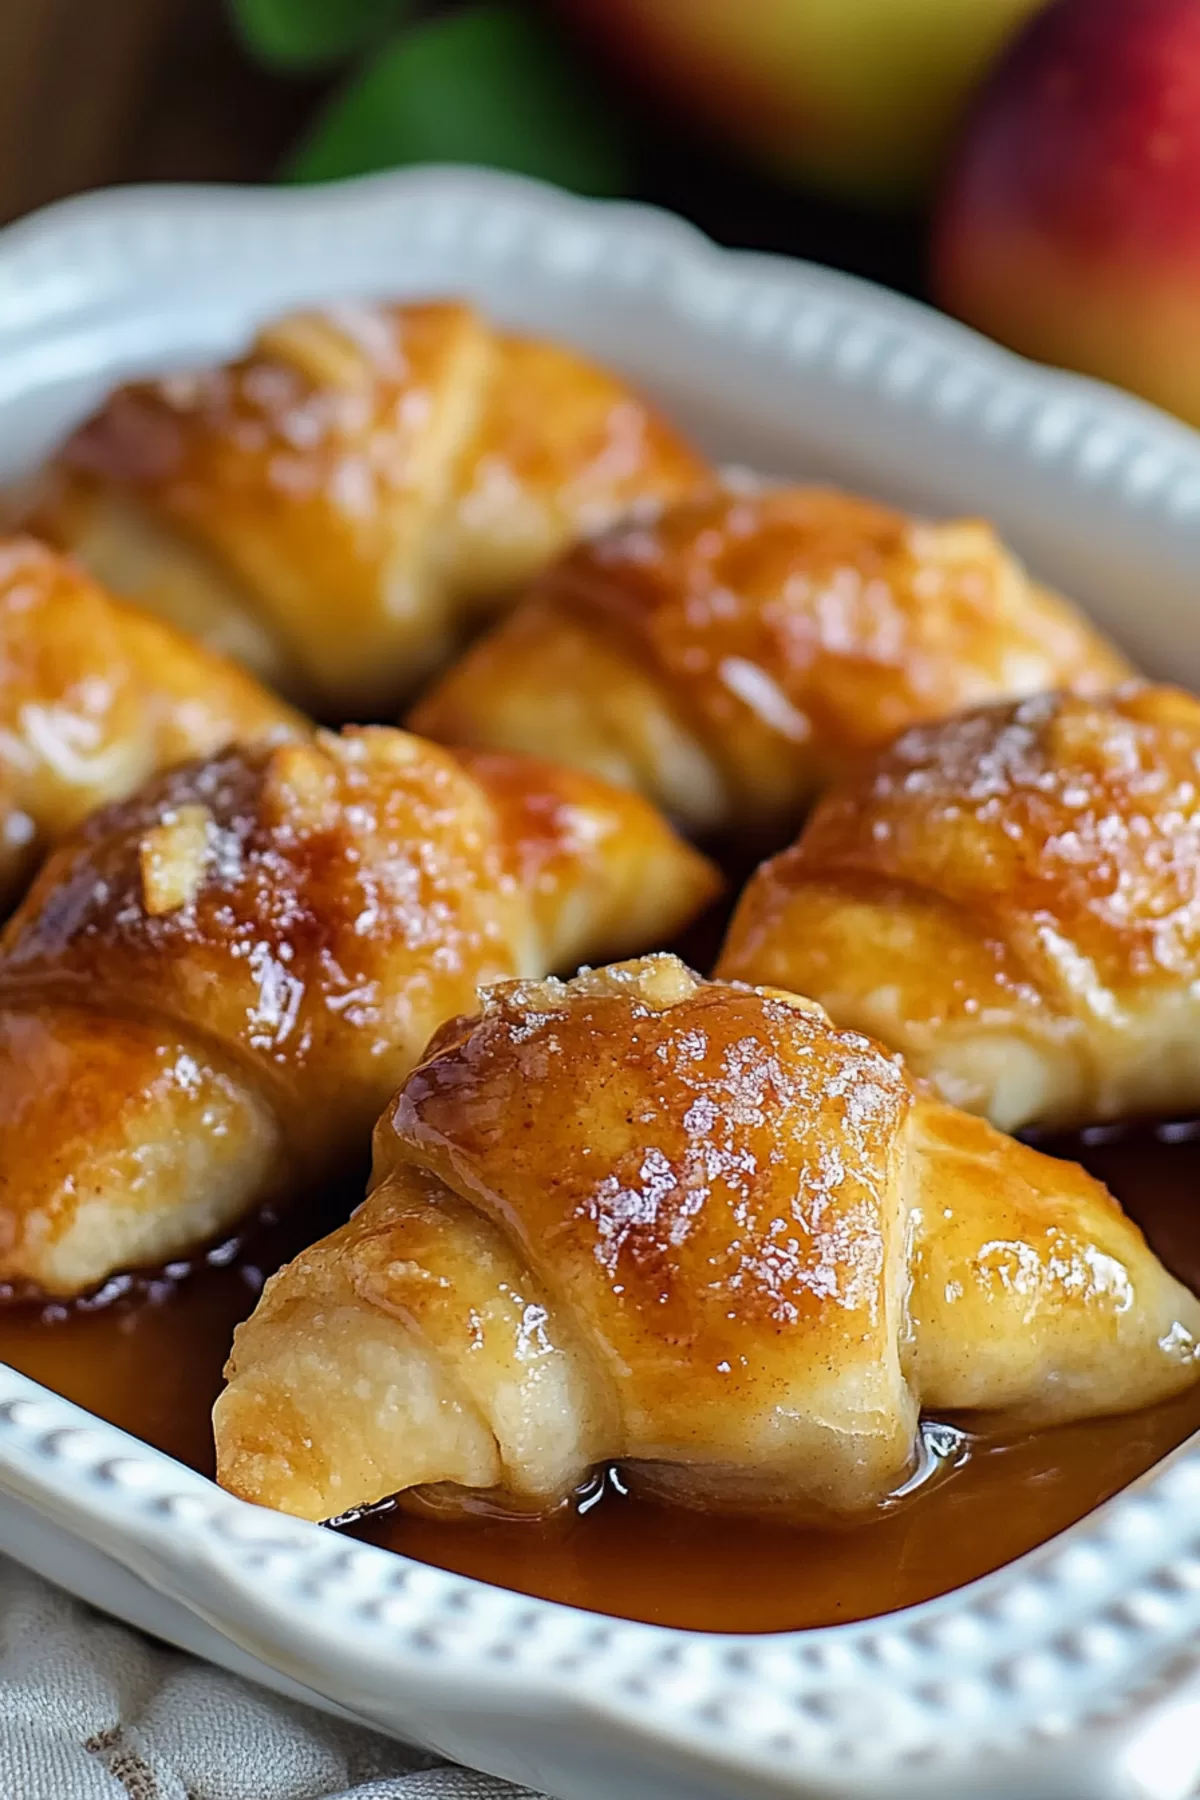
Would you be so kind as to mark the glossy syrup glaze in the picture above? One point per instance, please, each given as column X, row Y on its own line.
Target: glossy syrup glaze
column 150, row 1362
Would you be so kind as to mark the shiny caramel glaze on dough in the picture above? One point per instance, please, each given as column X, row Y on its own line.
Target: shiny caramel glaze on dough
column 212, row 989
column 94, row 697
column 1011, row 898
column 731, row 657
column 338, row 508
column 692, row 1227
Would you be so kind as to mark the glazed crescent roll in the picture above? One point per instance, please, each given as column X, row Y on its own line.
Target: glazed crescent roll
column 342, row 505
column 94, row 697
column 212, row 989
column 691, row 1227
column 1012, row 899
column 730, row 658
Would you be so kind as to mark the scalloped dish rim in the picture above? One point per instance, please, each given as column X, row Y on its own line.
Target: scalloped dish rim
column 1077, row 1667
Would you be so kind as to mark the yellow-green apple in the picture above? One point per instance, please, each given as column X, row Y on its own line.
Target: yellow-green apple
column 1069, row 226
column 856, row 94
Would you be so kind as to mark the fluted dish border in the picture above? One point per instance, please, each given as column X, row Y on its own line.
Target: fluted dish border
column 1075, row 1671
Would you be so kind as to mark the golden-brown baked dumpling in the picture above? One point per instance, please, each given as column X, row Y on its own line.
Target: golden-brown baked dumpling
column 733, row 656
column 1012, row 899
column 94, row 697
column 212, row 989
column 340, row 507
column 692, row 1227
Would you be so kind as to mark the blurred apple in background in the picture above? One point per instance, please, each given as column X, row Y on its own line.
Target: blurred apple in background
column 858, row 95
column 1069, row 226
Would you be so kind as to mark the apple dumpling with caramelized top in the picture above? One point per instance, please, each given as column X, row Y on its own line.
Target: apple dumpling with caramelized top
column 1011, row 899
column 731, row 657
column 345, row 503
column 693, row 1227
column 213, row 987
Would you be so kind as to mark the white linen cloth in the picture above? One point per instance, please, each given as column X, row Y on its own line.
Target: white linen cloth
column 91, row 1710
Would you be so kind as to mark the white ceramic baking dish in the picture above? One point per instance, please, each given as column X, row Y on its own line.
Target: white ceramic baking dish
column 1075, row 1671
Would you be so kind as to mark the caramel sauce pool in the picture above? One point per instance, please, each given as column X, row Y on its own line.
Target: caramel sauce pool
column 151, row 1362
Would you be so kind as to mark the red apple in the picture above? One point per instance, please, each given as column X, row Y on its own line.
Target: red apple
column 1069, row 226
column 859, row 94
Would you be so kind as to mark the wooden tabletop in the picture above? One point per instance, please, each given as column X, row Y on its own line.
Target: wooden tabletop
column 98, row 91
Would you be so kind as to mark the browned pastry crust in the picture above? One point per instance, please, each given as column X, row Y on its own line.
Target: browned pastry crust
column 693, row 1227
column 94, row 697
column 733, row 656
column 340, row 506
column 212, row 989
column 1012, row 899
